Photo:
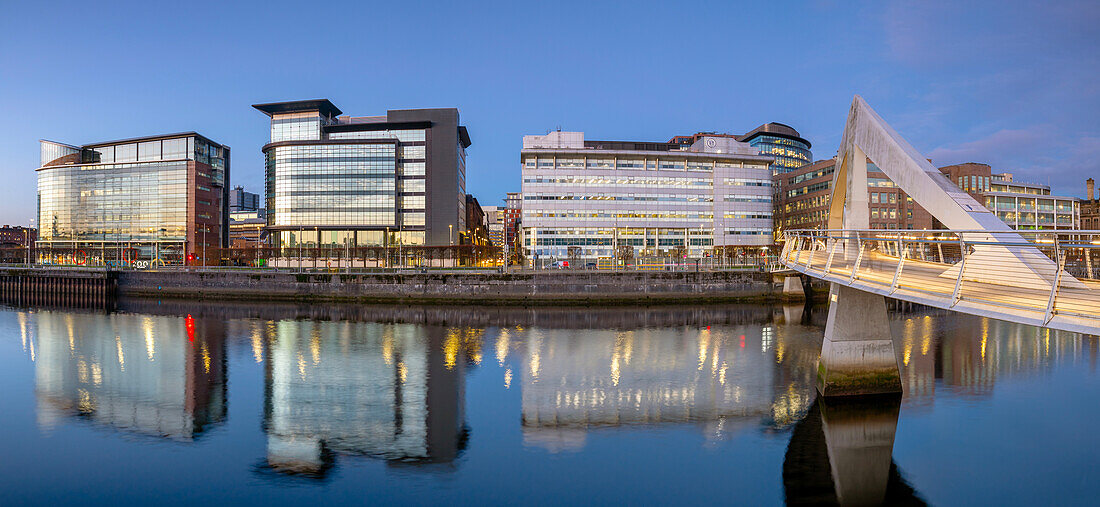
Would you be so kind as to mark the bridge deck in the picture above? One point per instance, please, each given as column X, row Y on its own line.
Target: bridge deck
column 1076, row 307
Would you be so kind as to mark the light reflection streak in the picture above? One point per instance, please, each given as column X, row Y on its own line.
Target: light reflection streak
column 502, row 346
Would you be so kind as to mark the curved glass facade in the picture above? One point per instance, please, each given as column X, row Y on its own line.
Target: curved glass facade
column 789, row 154
column 335, row 181
column 333, row 185
column 109, row 202
column 138, row 203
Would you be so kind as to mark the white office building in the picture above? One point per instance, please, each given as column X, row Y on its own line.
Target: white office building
column 585, row 199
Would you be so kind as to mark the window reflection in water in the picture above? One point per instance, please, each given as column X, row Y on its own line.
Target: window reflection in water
column 722, row 379
column 967, row 355
column 394, row 392
column 339, row 382
column 135, row 373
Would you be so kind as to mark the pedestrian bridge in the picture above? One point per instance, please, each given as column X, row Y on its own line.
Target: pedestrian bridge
column 977, row 265
column 975, row 272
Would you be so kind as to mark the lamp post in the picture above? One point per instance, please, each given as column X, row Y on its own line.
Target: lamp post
column 451, row 238
column 157, row 244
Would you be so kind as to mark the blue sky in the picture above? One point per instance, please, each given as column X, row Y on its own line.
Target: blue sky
column 1013, row 84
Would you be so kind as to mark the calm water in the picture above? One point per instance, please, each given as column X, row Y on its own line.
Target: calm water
column 207, row 404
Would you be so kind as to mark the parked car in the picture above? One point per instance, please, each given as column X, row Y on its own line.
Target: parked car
column 558, row 265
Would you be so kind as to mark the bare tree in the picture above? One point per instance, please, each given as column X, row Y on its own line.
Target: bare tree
column 574, row 253
column 625, row 254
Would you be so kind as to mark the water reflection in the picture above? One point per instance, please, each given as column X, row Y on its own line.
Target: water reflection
column 841, row 454
column 394, row 392
column 721, row 379
column 157, row 376
column 967, row 355
column 390, row 383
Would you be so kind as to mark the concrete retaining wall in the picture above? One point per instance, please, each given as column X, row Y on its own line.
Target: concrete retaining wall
column 555, row 287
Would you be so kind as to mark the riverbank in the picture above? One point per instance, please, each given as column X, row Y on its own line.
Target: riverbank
column 549, row 288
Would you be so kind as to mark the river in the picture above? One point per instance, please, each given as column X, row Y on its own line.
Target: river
column 197, row 403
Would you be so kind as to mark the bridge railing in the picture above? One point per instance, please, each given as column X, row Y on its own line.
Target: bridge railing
column 1053, row 273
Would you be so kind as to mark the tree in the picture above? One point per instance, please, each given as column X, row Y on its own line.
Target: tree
column 574, row 253
column 679, row 253
column 624, row 253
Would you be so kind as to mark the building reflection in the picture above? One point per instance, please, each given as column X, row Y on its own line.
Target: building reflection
column 158, row 376
column 390, row 391
column 721, row 379
column 967, row 354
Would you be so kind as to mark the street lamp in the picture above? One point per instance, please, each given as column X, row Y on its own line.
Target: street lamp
column 159, row 231
column 451, row 238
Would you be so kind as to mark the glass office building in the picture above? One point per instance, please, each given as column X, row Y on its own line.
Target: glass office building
column 587, row 199
column 339, row 181
column 782, row 143
column 1029, row 206
column 142, row 202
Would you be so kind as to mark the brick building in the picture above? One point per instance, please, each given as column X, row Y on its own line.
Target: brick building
column 803, row 201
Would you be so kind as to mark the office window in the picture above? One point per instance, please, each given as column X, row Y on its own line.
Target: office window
column 126, row 153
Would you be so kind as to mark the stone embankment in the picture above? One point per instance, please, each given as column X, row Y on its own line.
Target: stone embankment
column 558, row 287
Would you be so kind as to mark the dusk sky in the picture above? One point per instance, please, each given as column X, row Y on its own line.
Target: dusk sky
column 1012, row 84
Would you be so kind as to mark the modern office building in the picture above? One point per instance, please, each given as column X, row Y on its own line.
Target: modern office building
column 781, row 142
column 494, row 221
column 1090, row 208
column 364, row 181
column 246, row 228
column 136, row 202
column 1030, row 206
column 239, row 200
column 661, row 199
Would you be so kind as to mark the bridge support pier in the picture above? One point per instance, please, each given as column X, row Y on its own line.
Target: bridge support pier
column 857, row 355
column 792, row 287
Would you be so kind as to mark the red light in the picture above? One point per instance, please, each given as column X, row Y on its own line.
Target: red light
column 742, row 341
column 189, row 323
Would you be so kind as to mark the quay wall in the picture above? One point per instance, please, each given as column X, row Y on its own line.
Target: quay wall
column 465, row 288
